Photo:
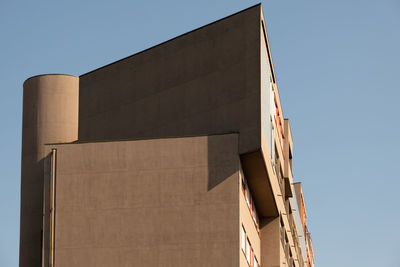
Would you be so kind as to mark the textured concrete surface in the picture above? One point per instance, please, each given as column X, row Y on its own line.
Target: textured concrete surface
column 50, row 115
column 148, row 203
column 203, row 82
column 271, row 244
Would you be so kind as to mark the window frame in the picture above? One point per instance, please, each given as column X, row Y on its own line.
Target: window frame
column 243, row 241
column 248, row 250
column 250, row 203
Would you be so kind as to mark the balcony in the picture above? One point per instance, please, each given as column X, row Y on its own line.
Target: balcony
column 258, row 180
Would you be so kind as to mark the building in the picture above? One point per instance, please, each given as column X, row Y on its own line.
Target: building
column 178, row 155
column 299, row 218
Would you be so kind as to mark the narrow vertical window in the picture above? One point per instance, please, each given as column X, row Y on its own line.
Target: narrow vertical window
column 272, row 143
column 243, row 185
column 250, row 202
column 252, row 258
column 248, row 197
column 243, row 240
column 248, row 251
column 255, row 262
column 255, row 216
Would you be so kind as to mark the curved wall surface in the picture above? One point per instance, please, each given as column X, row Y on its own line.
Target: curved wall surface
column 50, row 115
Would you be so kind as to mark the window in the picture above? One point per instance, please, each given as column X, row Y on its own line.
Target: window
column 250, row 203
column 255, row 217
column 243, row 240
column 248, row 251
column 272, row 143
column 248, row 197
column 279, row 124
column 256, row 262
column 243, row 185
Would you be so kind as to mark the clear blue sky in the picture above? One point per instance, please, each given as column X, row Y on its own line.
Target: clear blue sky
column 337, row 67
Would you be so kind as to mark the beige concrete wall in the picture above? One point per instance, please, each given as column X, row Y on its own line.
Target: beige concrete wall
column 50, row 114
column 203, row 82
column 162, row 202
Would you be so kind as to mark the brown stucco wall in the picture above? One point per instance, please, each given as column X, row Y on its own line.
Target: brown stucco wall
column 161, row 202
column 203, row 82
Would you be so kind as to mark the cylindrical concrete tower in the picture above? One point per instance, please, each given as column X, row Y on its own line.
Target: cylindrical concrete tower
column 50, row 115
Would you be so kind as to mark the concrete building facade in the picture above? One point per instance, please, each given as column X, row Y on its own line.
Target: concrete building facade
column 178, row 155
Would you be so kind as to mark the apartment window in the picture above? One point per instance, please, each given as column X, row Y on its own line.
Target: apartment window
column 272, row 143
column 256, row 262
column 255, row 215
column 250, row 203
column 243, row 240
column 243, row 185
column 248, row 197
column 279, row 124
column 248, row 251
